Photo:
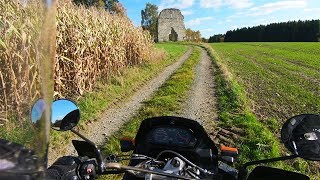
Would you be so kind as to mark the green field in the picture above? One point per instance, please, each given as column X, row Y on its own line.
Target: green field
column 280, row 79
column 259, row 86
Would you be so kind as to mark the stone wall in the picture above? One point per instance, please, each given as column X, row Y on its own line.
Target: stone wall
column 171, row 25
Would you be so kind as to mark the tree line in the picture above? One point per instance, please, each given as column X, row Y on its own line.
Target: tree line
column 193, row 36
column 149, row 16
column 113, row 6
column 216, row 38
column 292, row 31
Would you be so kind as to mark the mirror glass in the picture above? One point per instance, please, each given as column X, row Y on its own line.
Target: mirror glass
column 37, row 111
column 65, row 115
column 301, row 135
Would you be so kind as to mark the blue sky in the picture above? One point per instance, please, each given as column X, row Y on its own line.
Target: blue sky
column 218, row 16
column 61, row 108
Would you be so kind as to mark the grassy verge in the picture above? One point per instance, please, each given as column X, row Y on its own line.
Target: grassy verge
column 166, row 101
column 116, row 89
column 234, row 110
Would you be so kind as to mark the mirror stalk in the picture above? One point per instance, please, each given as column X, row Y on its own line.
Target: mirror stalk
column 269, row 160
column 97, row 151
column 82, row 137
column 243, row 172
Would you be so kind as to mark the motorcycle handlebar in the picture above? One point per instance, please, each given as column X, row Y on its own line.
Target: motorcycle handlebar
column 123, row 168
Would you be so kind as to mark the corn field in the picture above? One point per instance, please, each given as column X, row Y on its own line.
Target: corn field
column 19, row 29
column 91, row 45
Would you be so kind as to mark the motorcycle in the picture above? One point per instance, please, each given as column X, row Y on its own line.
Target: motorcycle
column 178, row 148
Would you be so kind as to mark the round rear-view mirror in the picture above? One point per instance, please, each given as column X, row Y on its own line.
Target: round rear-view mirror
column 65, row 115
column 38, row 111
column 301, row 135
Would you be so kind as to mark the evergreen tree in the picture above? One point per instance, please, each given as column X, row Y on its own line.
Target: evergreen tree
column 216, row 38
column 306, row 31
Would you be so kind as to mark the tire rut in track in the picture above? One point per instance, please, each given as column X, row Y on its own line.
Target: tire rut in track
column 116, row 116
column 201, row 103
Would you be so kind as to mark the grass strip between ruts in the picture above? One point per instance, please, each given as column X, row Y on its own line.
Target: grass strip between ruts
column 166, row 101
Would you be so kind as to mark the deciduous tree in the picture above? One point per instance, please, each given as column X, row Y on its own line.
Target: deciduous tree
column 149, row 19
column 193, row 36
column 97, row 3
column 111, row 5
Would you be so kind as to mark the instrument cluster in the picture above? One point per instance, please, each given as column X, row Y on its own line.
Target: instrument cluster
column 172, row 136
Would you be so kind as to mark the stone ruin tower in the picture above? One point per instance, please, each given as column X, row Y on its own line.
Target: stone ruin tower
column 171, row 25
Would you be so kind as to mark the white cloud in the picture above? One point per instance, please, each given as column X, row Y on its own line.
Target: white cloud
column 276, row 6
column 236, row 4
column 211, row 4
column 312, row 10
column 264, row 21
column 198, row 21
column 179, row 4
column 234, row 16
column 206, row 33
column 187, row 12
column 234, row 27
column 207, row 30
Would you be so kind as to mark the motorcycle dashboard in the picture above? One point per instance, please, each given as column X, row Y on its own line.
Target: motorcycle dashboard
column 172, row 136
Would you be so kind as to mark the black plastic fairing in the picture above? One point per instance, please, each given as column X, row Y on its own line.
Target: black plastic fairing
column 266, row 173
column 84, row 148
column 203, row 153
column 150, row 123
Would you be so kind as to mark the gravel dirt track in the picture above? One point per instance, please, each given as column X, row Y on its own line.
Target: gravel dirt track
column 201, row 102
column 114, row 117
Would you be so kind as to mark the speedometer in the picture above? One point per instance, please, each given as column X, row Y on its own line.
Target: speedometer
column 161, row 136
column 172, row 136
column 183, row 137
